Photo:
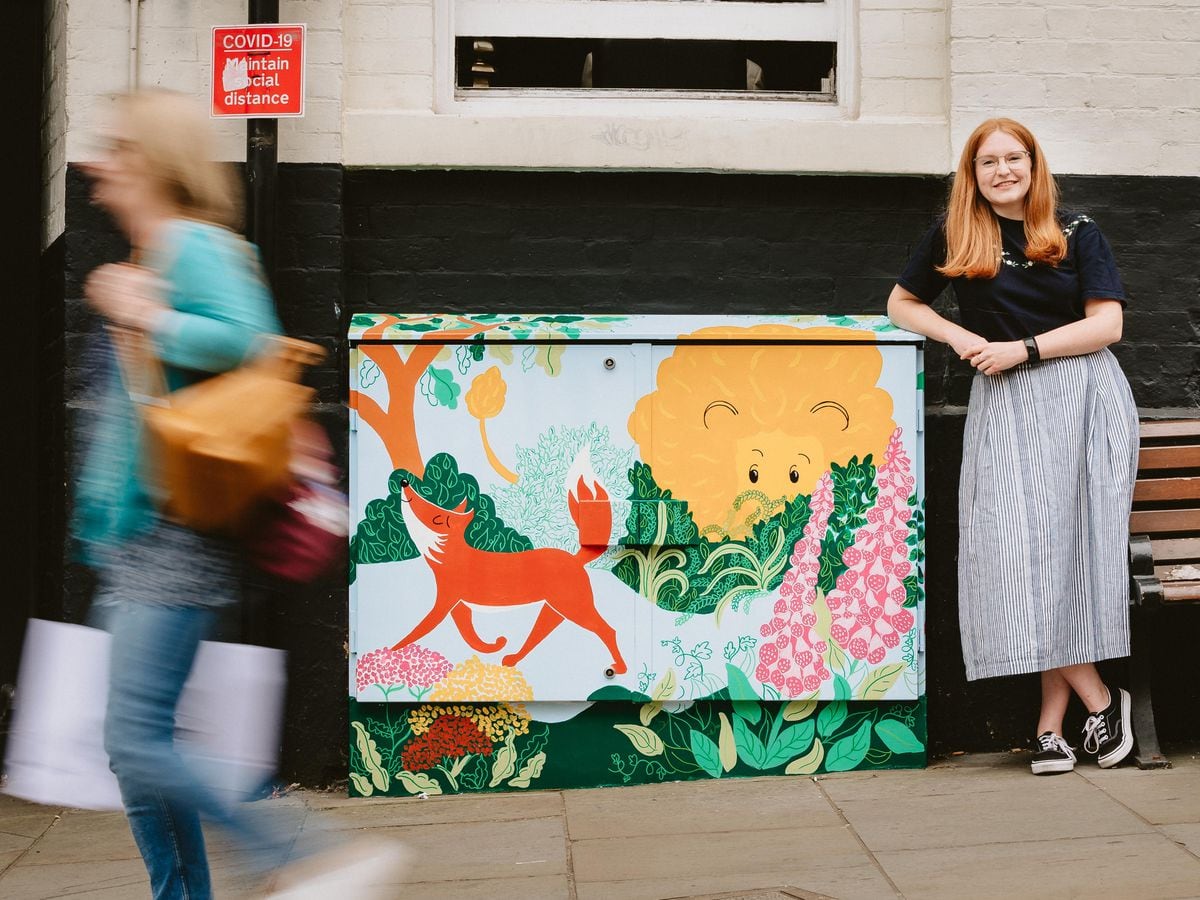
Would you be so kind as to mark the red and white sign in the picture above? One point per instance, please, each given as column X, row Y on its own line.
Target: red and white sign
column 257, row 71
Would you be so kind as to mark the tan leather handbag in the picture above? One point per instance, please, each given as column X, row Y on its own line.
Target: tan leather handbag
column 217, row 448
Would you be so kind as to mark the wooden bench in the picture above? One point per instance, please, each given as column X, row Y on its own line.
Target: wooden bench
column 1164, row 556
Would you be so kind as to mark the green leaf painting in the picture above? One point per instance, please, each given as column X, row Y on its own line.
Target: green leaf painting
column 383, row 537
column 669, row 562
column 831, row 718
column 604, row 744
column 898, row 737
column 707, row 755
column 848, row 752
column 790, row 742
column 439, row 388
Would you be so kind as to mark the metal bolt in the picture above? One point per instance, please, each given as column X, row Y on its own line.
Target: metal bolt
column 610, row 363
column 609, row 673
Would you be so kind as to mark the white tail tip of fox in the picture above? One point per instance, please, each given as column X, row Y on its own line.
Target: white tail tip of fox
column 581, row 468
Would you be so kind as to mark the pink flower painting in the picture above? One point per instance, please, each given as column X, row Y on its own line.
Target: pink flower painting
column 791, row 656
column 867, row 603
column 414, row 667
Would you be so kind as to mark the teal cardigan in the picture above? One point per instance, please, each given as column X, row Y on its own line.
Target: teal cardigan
column 219, row 307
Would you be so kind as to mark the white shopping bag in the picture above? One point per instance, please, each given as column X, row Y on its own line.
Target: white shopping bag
column 227, row 724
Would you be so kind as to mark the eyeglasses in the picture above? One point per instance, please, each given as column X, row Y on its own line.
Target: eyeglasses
column 1013, row 160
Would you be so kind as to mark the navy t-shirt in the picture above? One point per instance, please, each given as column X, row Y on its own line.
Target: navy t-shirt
column 1026, row 297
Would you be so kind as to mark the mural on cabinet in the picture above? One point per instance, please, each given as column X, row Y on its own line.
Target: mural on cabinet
column 611, row 550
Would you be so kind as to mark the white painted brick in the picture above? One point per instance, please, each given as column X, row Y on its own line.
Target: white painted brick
column 925, row 97
column 1005, row 24
column 970, row 56
column 325, row 47
column 1167, row 93
column 1018, row 91
column 177, row 13
column 1066, row 23
column 323, row 82
column 389, row 92
column 104, row 45
column 902, row 62
column 1066, row 90
column 882, row 27
column 925, row 28
column 866, row 5
column 1180, row 157
column 390, row 57
column 1113, row 92
column 1070, row 56
column 1114, row 24
column 371, row 23
column 171, row 43
column 1155, row 58
column 883, row 96
column 315, row 13
column 188, row 78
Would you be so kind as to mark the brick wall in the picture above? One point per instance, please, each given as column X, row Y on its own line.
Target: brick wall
column 1111, row 87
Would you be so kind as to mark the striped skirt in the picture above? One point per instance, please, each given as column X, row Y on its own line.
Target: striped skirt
column 1049, row 463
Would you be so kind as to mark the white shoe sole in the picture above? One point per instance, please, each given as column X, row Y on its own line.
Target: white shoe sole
column 1052, row 766
column 1108, row 760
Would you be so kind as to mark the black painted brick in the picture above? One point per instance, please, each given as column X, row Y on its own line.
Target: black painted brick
column 372, row 240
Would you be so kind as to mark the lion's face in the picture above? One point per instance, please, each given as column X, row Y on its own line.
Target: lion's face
column 737, row 430
column 780, row 464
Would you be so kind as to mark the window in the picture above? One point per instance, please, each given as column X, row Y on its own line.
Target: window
column 755, row 49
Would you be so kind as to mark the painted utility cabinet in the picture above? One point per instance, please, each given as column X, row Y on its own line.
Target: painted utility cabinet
column 597, row 550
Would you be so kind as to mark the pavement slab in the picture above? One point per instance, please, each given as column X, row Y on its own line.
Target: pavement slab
column 975, row 826
column 1160, row 796
column 124, row 878
column 827, row 859
column 1131, row 867
column 736, row 804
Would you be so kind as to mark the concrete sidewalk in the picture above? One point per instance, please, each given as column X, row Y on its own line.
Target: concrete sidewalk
column 970, row 827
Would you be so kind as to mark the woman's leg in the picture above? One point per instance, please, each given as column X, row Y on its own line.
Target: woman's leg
column 152, row 652
column 1056, row 693
column 1086, row 682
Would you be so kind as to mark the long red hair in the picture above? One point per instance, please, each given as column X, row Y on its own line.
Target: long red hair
column 972, row 232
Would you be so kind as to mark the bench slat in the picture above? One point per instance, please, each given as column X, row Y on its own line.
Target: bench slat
column 1163, row 572
column 1160, row 521
column 1176, row 550
column 1185, row 456
column 1147, row 489
column 1171, row 428
column 1181, row 591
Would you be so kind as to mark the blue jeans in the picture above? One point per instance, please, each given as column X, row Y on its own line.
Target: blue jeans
column 153, row 649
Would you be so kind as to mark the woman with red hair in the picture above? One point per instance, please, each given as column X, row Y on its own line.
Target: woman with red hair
column 1050, row 451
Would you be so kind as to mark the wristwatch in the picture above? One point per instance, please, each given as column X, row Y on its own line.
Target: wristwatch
column 1032, row 348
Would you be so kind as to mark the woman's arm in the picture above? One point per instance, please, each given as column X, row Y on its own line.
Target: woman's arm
column 1100, row 326
column 908, row 311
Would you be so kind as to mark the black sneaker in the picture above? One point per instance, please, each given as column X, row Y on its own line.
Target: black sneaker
column 1053, row 755
column 1108, row 733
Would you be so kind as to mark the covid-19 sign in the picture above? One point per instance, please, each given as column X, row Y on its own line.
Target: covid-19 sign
column 258, row 71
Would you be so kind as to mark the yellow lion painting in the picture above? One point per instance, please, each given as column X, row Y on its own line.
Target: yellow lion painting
column 737, row 430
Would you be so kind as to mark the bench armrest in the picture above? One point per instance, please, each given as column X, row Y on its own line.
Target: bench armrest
column 1141, row 555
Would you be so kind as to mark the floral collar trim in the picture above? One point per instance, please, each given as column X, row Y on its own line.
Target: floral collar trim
column 1068, row 230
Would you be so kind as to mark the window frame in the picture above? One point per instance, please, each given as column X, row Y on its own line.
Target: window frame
column 824, row 20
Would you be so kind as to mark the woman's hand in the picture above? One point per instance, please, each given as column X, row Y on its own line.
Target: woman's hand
column 126, row 295
column 966, row 343
column 995, row 357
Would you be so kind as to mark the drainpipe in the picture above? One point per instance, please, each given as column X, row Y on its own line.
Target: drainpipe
column 262, row 159
column 133, row 44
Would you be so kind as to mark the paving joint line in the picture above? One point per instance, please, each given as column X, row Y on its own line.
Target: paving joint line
column 571, row 890
column 12, row 864
column 1153, row 826
column 858, row 837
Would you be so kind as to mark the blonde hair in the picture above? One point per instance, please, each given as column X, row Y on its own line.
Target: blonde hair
column 175, row 140
column 972, row 231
